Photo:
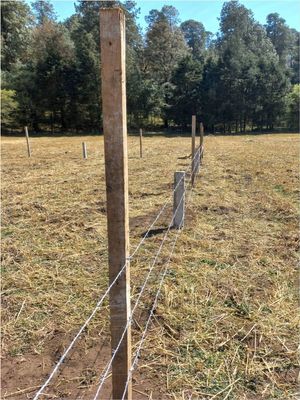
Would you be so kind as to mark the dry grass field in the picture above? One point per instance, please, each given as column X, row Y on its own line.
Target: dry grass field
column 226, row 324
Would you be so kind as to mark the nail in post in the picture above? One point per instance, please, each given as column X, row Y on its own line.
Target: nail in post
column 179, row 199
column 113, row 77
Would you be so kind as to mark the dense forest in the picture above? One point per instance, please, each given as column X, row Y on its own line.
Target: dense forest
column 245, row 77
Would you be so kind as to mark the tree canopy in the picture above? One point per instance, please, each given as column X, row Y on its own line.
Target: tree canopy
column 244, row 77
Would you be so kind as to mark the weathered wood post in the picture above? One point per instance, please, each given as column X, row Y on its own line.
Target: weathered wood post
column 141, row 143
column 27, row 141
column 179, row 199
column 201, row 133
column 197, row 160
column 113, row 74
column 193, row 147
column 201, row 140
column 84, row 150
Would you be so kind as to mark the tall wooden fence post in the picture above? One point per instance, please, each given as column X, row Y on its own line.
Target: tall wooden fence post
column 193, row 147
column 141, row 143
column 113, row 74
column 179, row 199
column 27, row 141
column 84, row 150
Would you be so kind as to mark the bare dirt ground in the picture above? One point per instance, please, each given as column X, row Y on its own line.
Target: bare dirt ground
column 226, row 322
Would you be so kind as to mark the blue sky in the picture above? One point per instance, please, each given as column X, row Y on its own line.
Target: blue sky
column 205, row 11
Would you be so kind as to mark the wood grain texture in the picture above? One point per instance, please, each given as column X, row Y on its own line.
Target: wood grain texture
column 113, row 74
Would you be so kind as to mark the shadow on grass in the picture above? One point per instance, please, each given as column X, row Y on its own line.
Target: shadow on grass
column 156, row 231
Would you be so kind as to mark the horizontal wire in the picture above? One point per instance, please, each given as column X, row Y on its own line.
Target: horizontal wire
column 99, row 303
column 137, row 353
column 109, row 364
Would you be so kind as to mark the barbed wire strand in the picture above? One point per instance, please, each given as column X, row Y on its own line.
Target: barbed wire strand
column 99, row 303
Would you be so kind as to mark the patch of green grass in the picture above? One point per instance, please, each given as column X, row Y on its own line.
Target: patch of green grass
column 280, row 189
column 6, row 232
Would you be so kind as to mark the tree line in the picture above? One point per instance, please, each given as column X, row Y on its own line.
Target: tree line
column 246, row 77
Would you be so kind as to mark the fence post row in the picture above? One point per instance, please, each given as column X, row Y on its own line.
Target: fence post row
column 113, row 74
column 179, row 199
column 84, row 150
column 27, row 140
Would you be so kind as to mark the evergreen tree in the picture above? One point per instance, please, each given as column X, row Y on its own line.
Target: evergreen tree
column 195, row 36
column 43, row 11
column 280, row 35
column 186, row 99
column 16, row 20
column 165, row 48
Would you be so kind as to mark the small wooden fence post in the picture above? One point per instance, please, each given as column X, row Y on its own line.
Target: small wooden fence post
column 179, row 199
column 113, row 74
column 193, row 147
column 201, row 141
column 141, row 143
column 197, row 160
column 27, row 140
column 84, row 150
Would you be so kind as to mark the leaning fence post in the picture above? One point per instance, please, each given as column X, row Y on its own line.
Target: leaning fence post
column 113, row 77
column 179, row 199
column 141, row 143
column 27, row 140
column 84, row 150
column 193, row 147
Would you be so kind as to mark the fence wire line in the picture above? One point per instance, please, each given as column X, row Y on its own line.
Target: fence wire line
column 62, row 358
column 160, row 212
column 109, row 364
column 99, row 303
column 149, row 318
column 138, row 351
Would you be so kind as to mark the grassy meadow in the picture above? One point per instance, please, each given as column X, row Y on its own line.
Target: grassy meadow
column 226, row 324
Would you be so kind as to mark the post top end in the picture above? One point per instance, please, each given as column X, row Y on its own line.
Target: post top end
column 111, row 9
